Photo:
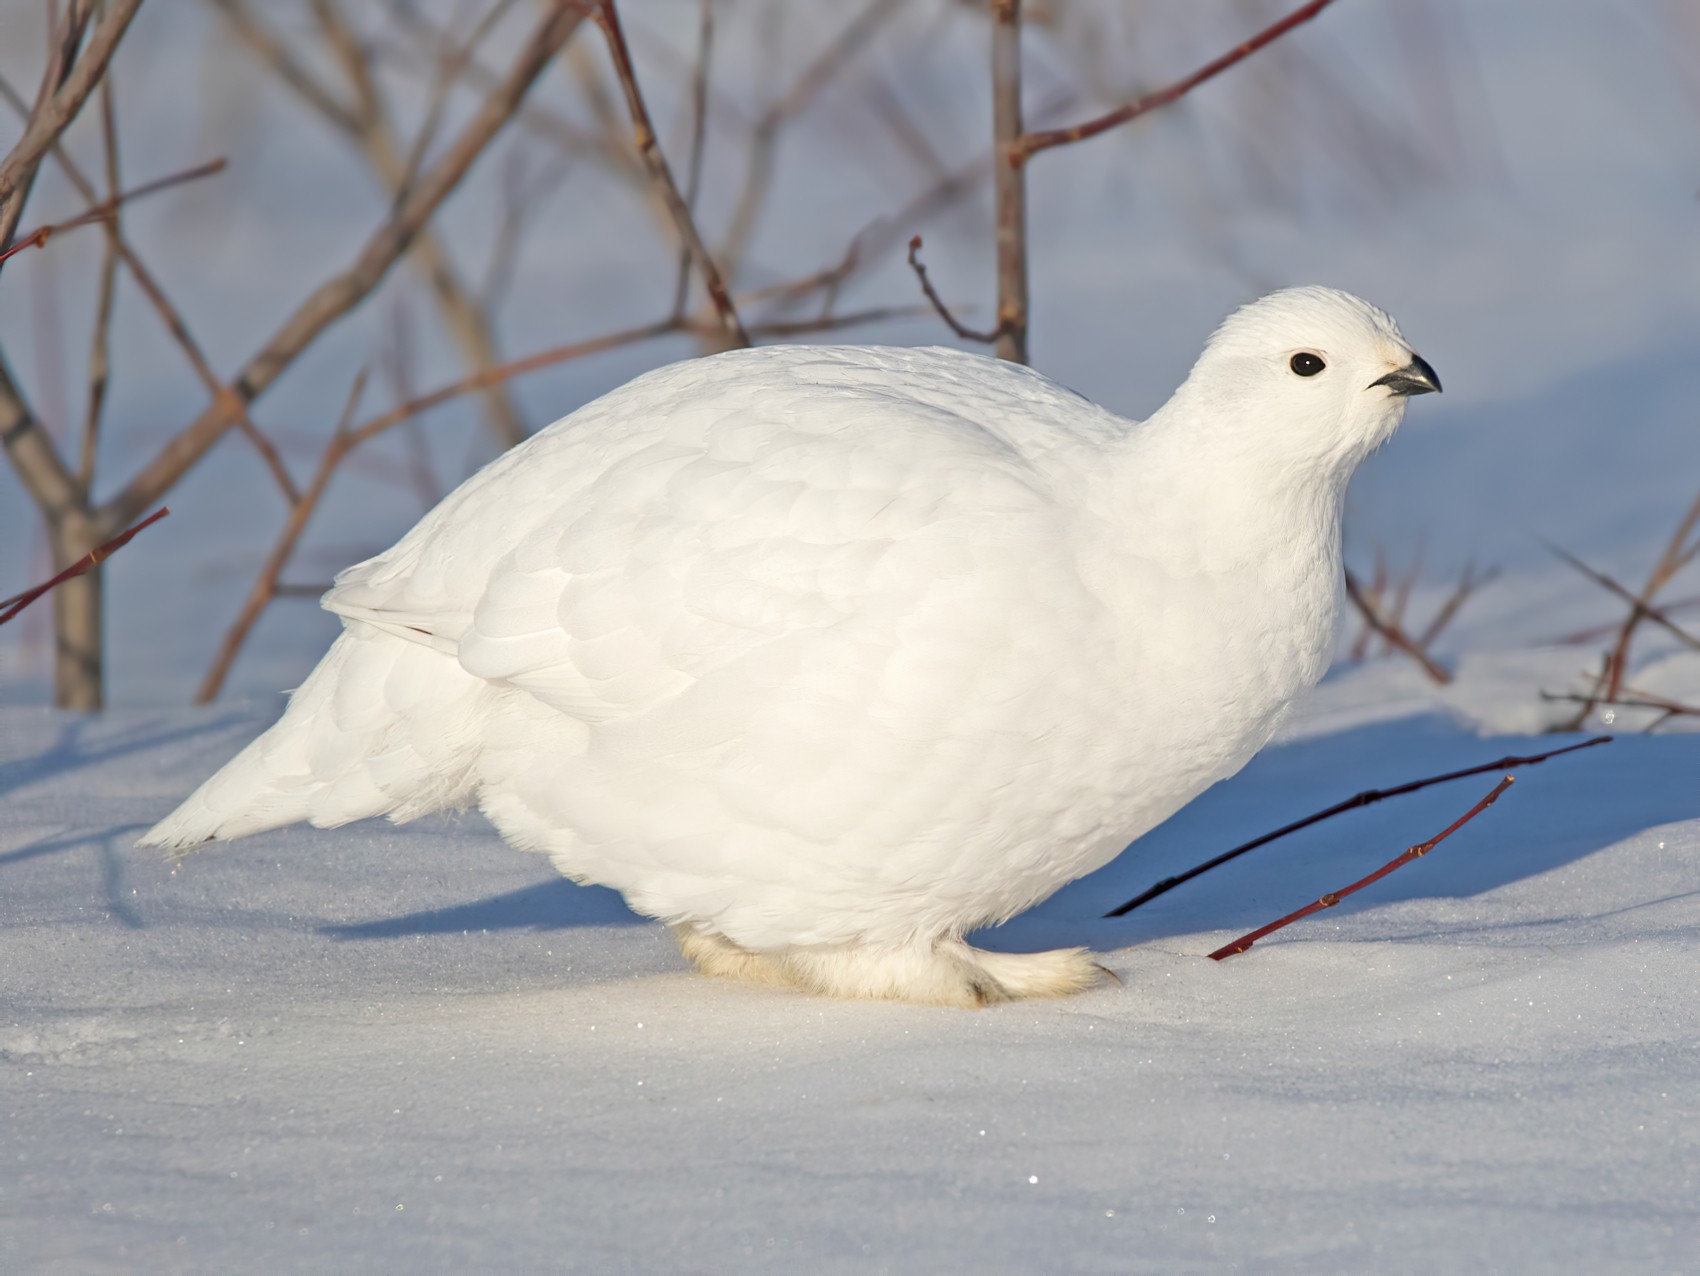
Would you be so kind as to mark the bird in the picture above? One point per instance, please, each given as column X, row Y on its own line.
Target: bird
column 826, row 656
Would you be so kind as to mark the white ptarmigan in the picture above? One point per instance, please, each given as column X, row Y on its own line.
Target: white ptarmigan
column 827, row 655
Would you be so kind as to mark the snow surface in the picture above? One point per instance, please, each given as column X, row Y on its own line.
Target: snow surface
column 383, row 1048
column 416, row 1047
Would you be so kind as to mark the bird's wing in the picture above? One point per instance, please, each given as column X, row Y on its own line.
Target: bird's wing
column 639, row 547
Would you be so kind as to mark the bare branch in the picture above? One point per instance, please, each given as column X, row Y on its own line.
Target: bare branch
column 106, row 210
column 1394, row 635
column 1629, row 698
column 1367, row 798
column 966, row 333
column 699, row 136
column 62, row 97
column 265, row 584
column 838, row 54
column 1032, row 143
column 10, row 607
column 370, row 128
column 1468, row 583
column 100, row 362
column 333, row 299
column 168, row 313
column 1399, row 861
column 1640, row 608
column 656, row 163
column 1009, row 181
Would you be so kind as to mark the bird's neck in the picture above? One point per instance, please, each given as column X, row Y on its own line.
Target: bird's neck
column 1221, row 505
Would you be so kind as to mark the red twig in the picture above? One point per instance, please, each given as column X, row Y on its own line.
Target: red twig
column 1334, row 897
column 17, row 602
column 956, row 326
column 103, row 211
column 1393, row 634
column 1032, row 143
column 1367, row 798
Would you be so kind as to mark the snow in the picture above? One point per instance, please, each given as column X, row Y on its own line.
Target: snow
column 383, row 1048
column 317, row 1048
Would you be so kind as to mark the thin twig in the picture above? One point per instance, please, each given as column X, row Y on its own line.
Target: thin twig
column 168, row 314
column 833, row 59
column 368, row 125
column 1467, row 585
column 1629, row 698
column 1391, row 632
column 1334, row 897
column 956, row 326
column 347, row 439
column 345, row 290
column 10, row 607
column 106, row 210
column 649, row 148
column 1595, row 632
column 1032, row 143
column 66, row 85
column 1639, row 606
column 265, row 584
column 699, row 138
column 1367, row 798
column 100, row 340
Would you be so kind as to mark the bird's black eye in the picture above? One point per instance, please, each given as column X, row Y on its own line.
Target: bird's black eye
column 1306, row 364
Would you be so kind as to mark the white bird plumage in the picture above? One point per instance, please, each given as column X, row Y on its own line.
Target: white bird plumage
column 827, row 655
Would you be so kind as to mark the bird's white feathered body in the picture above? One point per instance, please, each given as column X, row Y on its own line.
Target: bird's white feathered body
column 827, row 654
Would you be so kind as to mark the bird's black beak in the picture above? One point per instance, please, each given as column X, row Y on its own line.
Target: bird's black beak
column 1416, row 377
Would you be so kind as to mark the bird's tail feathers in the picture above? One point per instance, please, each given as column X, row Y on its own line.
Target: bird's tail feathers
column 380, row 727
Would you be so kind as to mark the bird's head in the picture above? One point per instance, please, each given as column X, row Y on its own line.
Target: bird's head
column 1307, row 377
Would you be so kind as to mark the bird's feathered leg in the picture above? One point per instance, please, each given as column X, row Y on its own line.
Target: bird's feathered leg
column 947, row 972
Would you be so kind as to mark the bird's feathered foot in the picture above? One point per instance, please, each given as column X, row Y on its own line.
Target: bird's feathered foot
column 945, row 973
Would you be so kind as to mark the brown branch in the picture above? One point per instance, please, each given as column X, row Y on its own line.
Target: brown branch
column 1392, row 633
column 1468, row 584
column 966, row 333
column 338, row 295
column 1629, row 698
column 168, row 314
column 65, row 88
column 655, row 162
column 100, row 340
column 265, row 584
column 1009, row 181
column 838, row 54
column 1676, row 555
column 346, row 440
column 1640, row 608
column 369, row 127
column 1334, row 897
column 105, row 211
column 1367, row 798
column 1032, row 143
column 1596, row 632
column 699, row 139
column 10, row 607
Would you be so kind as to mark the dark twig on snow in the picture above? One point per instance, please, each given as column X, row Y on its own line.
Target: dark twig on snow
column 1367, row 798
column 1334, row 897
column 10, row 607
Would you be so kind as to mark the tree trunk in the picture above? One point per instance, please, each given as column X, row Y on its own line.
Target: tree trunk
column 78, row 675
